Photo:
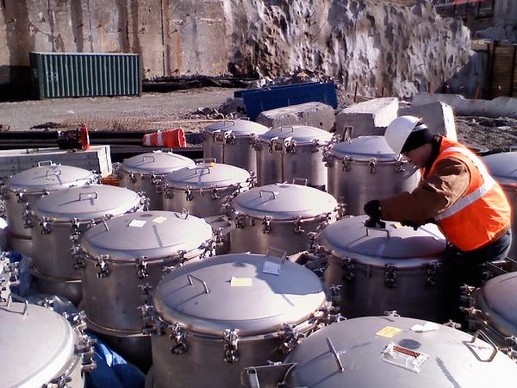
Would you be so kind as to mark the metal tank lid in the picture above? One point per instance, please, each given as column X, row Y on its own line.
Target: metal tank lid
column 153, row 234
column 363, row 148
column 284, row 201
column 498, row 296
column 349, row 237
column 301, row 134
column 253, row 293
column 237, row 127
column 205, row 175
column 503, row 166
column 50, row 177
column 36, row 345
column 155, row 162
column 87, row 202
column 397, row 352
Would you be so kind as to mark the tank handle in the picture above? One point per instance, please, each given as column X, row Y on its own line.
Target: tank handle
column 205, row 160
column 286, row 127
column 42, row 163
column 190, row 277
column 144, row 157
column 282, row 252
column 304, row 181
column 513, row 147
column 88, row 195
column 10, row 298
column 481, row 333
column 368, row 228
column 335, row 355
column 273, row 194
column 55, row 172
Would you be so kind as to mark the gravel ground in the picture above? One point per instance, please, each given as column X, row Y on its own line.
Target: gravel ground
column 192, row 109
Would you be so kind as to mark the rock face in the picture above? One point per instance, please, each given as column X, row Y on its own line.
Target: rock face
column 378, row 48
column 384, row 49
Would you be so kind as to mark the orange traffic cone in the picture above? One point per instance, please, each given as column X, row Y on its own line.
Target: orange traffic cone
column 169, row 138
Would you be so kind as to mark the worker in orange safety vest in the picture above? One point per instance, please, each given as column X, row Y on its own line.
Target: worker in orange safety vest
column 458, row 194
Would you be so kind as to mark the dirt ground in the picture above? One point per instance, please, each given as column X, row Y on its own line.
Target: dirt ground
column 194, row 109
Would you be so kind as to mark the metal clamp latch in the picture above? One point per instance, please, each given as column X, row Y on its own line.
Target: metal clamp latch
column 231, row 339
column 178, row 335
column 289, row 338
column 102, row 266
column 266, row 224
column 141, row 267
column 390, row 276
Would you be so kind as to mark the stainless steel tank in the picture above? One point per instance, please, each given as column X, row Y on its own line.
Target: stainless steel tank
column 123, row 260
column 383, row 269
column 281, row 215
column 212, row 318
column 365, row 168
column 494, row 310
column 503, row 167
column 292, row 152
column 40, row 348
column 389, row 352
column 24, row 188
column 230, row 142
column 60, row 219
column 203, row 188
column 145, row 172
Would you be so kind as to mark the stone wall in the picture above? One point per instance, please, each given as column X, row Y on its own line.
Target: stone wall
column 369, row 44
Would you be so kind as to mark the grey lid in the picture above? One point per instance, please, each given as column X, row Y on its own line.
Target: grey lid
column 284, row 201
column 238, row 291
column 87, row 202
column 300, row 134
column 363, row 148
column 502, row 166
column 52, row 177
column 155, row 162
column 349, row 237
column 204, row 175
column 154, row 234
column 237, row 127
column 35, row 346
column 496, row 298
column 359, row 344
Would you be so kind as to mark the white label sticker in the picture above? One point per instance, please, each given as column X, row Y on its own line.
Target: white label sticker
column 137, row 223
column 160, row 219
column 272, row 268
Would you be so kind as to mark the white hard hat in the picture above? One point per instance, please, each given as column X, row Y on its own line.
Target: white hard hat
column 398, row 131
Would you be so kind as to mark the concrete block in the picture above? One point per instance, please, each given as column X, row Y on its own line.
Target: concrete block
column 367, row 118
column 438, row 116
column 314, row 114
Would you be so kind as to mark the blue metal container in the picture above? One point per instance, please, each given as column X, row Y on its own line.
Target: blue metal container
column 259, row 100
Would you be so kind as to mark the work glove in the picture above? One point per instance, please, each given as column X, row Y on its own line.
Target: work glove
column 373, row 209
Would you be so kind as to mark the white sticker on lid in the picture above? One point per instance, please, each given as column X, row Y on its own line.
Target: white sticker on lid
column 272, row 268
column 240, row 282
column 137, row 223
column 160, row 219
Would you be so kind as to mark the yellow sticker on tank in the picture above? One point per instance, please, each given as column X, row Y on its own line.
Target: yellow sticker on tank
column 159, row 219
column 240, row 282
column 388, row 331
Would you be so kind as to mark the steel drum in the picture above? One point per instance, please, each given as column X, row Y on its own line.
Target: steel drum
column 292, row 152
column 378, row 270
column 25, row 187
column 212, row 318
column 145, row 173
column 123, row 260
column 40, row 348
column 494, row 310
column 60, row 219
column 281, row 215
column 389, row 352
column 503, row 167
column 203, row 188
column 365, row 168
column 230, row 142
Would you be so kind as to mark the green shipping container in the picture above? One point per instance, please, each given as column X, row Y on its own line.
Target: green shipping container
column 60, row 75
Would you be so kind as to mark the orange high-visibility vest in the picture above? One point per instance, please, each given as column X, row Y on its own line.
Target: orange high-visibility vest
column 482, row 213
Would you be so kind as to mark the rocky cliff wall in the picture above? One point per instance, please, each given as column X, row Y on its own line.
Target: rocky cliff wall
column 379, row 48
